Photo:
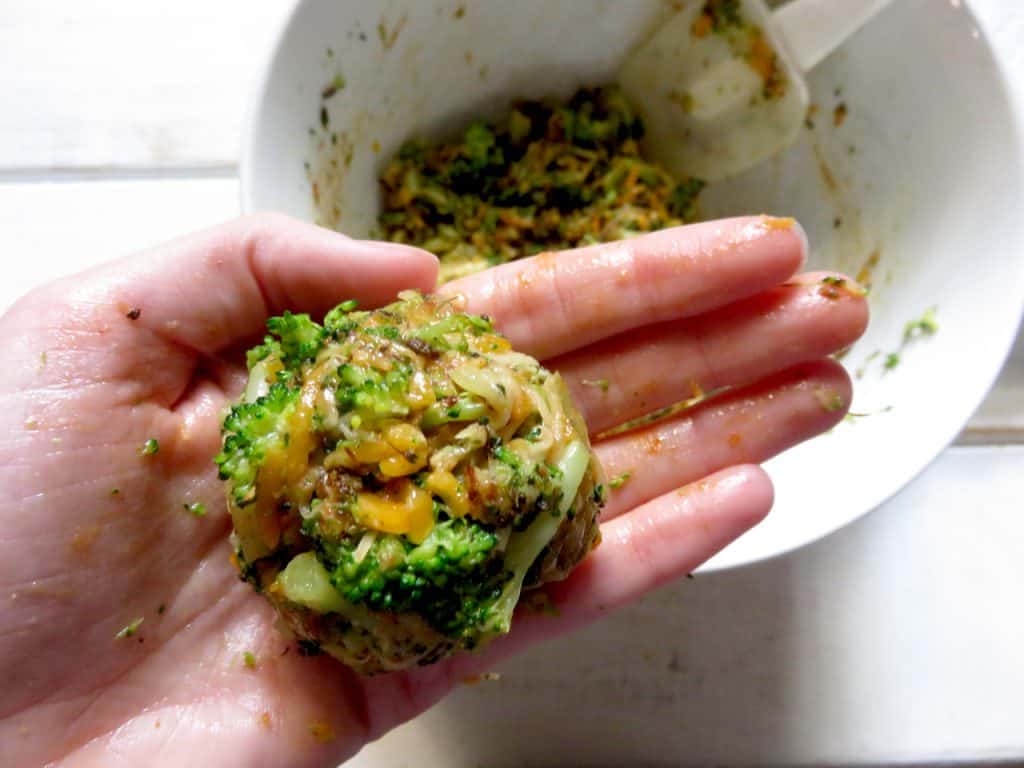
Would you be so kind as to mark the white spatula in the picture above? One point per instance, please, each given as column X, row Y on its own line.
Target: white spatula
column 720, row 85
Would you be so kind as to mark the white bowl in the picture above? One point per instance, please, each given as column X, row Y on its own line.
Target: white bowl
column 933, row 181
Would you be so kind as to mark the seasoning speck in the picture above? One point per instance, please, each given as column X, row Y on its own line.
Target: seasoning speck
column 891, row 361
column 196, row 508
column 150, row 447
column 839, row 114
column 483, row 677
column 325, row 118
column 928, row 325
column 336, row 85
column 161, row 608
column 620, row 480
column 133, row 313
column 249, row 660
column 115, row 491
column 129, row 630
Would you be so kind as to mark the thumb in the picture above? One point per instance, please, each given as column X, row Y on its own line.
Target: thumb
column 214, row 290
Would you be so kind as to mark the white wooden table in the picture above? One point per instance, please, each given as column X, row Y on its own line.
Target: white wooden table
column 898, row 639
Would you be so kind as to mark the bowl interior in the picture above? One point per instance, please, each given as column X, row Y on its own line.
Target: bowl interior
column 924, row 172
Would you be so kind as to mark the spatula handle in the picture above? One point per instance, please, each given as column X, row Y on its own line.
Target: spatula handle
column 812, row 29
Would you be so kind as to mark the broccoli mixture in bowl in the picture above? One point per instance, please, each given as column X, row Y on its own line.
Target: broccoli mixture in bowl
column 548, row 178
column 397, row 477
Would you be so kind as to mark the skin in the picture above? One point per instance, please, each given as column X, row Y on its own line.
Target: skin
column 86, row 385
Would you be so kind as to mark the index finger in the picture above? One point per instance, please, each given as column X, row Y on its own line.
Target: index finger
column 553, row 303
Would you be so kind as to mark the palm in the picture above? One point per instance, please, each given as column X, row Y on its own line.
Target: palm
column 97, row 534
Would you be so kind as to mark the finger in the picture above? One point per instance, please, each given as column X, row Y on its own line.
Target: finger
column 553, row 303
column 656, row 543
column 215, row 289
column 630, row 375
column 749, row 425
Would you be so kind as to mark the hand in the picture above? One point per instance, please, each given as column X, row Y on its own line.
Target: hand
column 98, row 532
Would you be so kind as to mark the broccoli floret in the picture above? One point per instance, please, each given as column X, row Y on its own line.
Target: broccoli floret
column 339, row 321
column 683, row 202
column 481, row 149
column 300, row 337
column 478, row 157
column 250, row 430
column 452, row 579
column 371, row 394
column 293, row 339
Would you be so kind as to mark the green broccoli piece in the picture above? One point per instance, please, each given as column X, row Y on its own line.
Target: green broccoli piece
column 683, row 202
column 371, row 394
column 452, row 579
column 300, row 337
column 481, row 146
column 293, row 339
column 340, row 320
column 250, row 430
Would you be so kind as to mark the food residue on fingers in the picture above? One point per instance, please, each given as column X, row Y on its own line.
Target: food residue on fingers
column 601, row 384
column 130, row 629
column 834, row 287
column 619, row 480
column 322, row 732
column 830, row 399
column 133, row 314
column 735, row 439
column 83, row 539
column 777, row 222
column 265, row 720
column 150, row 447
column 652, row 444
column 483, row 677
column 195, row 508
column 249, row 660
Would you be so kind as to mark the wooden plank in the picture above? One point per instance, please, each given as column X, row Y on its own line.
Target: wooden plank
column 48, row 229
column 895, row 641
column 1000, row 419
column 109, row 84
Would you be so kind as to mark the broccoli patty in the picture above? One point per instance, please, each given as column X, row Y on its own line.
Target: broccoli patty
column 396, row 477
